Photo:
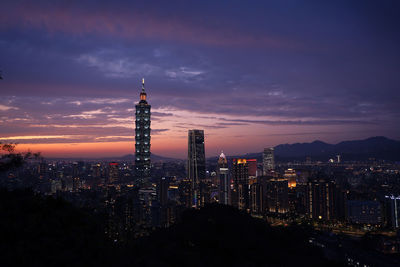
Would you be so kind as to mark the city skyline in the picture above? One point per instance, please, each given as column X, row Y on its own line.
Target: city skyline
column 252, row 76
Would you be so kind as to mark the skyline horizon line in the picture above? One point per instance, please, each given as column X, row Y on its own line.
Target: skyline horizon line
column 184, row 157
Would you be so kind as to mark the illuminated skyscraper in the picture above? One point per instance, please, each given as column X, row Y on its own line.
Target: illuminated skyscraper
column 240, row 194
column 392, row 211
column 196, row 165
column 268, row 160
column 277, row 196
column 321, row 200
column 142, row 139
column 224, row 182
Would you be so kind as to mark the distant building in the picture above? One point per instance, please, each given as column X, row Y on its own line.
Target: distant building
column 185, row 193
column 252, row 163
column 142, row 139
column 290, row 174
column 224, row 182
column 278, row 196
column 268, row 160
column 113, row 172
column 392, row 211
column 364, row 212
column 257, row 198
column 196, row 164
column 321, row 200
column 240, row 175
column 162, row 191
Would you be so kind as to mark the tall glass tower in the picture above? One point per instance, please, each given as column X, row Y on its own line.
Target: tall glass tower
column 196, row 166
column 142, row 139
column 268, row 160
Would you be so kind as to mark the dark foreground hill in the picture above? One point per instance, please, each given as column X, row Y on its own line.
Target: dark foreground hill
column 37, row 231
column 218, row 235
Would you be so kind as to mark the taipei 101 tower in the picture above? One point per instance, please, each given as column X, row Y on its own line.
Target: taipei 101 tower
column 142, row 139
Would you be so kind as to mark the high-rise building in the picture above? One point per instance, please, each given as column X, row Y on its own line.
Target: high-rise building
column 277, row 196
column 162, row 191
column 252, row 163
column 113, row 173
column 268, row 160
column 196, row 165
column 224, row 182
column 240, row 174
column 392, row 211
column 291, row 175
column 257, row 198
column 321, row 200
column 364, row 212
column 142, row 139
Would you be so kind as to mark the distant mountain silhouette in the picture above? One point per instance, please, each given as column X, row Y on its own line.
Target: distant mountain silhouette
column 379, row 147
column 375, row 147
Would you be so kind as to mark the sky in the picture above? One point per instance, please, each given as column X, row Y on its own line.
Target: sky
column 252, row 74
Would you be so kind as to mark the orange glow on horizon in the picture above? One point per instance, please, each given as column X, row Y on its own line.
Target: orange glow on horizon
column 172, row 147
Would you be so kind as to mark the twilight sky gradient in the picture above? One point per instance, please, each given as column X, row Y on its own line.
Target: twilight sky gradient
column 252, row 74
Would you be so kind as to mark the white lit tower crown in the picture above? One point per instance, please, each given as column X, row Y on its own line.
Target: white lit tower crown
column 142, row 139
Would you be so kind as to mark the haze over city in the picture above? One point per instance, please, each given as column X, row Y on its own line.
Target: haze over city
column 251, row 75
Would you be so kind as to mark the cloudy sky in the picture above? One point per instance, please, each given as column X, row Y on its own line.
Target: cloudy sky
column 252, row 74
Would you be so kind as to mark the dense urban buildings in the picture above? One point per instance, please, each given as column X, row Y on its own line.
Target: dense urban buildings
column 142, row 139
column 196, row 163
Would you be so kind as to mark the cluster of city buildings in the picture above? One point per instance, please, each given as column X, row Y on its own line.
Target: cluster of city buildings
column 137, row 194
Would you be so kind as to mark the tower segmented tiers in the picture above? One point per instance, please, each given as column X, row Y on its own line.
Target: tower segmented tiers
column 142, row 139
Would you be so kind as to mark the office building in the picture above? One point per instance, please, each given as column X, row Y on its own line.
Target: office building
column 392, row 211
column 321, row 200
column 257, row 197
column 196, row 164
column 224, row 182
column 252, row 163
column 364, row 212
column 291, row 176
column 142, row 139
column 113, row 172
column 268, row 160
column 240, row 175
column 278, row 196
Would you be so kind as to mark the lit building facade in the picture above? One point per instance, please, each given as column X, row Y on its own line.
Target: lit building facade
column 224, row 181
column 240, row 194
column 321, row 200
column 113, row 173
column 196, row 165
column 142, row 139
column 278, row 196
column 252, row 163
column 392, row 211
column 290, row 174
column 268, row 160
column 364, row 212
